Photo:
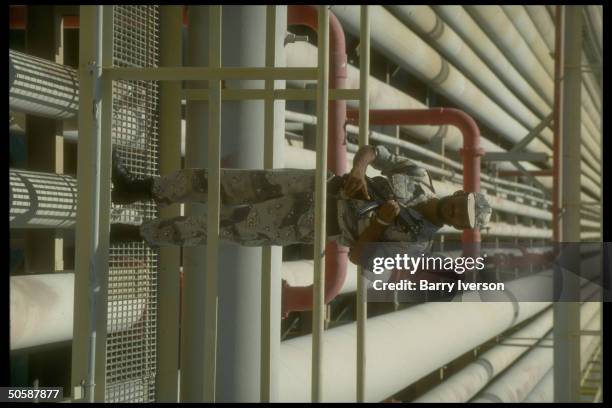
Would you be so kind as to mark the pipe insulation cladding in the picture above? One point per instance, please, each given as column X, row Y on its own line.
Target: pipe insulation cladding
column 41, row 200
column 42, row 307
column 40, row 87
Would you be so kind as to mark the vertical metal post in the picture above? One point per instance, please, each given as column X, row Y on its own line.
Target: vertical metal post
column 318, row 317
column 93, row 213
column 557, row 120
column 192, row 356
column 171, row 21
column 214, row 173
column 82, row 308
column 43, row 247
column 266, row 257
column 364, row 130
column 96, row 72
column 106, row 117
column 58, row 22
column 567, row 314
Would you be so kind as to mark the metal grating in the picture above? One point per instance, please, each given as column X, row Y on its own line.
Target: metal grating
column 131, row 347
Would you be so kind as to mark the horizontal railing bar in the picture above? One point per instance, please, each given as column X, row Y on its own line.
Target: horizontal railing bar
column 203, row 73
column 283, row 94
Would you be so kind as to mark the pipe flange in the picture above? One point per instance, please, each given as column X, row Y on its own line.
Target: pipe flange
column 471, row 151
column 487, row 366
column 442, row 132
column 515, row 307
column 443, row 74
column 438, row 29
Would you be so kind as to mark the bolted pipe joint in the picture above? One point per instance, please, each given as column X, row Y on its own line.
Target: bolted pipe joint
column 291, row 38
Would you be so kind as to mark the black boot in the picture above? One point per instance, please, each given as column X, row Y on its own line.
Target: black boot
column 128, row 189
column 124, row 233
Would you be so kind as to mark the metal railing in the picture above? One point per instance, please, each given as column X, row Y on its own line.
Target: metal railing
column 215, row 96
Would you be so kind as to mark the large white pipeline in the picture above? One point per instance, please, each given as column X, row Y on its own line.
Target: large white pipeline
column 479, row 41
column 428, row 24
column 544, row 390
column 402, row 347
column 544, row 24
column 405, row 48
column 384, row 96
column 515, row 384
column 41, row 200
column 524, row 25
column 499, row 27
column 42, row 308
column 42, row 87
column 463, row 24
column 463, row 385
column 595, row 16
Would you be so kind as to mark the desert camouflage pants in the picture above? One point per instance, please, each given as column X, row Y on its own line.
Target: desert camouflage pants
column 258, row 207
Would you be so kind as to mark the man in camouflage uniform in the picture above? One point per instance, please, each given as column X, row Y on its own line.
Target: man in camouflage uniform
column 276, row 207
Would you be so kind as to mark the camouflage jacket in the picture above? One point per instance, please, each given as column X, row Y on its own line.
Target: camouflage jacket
column 407, row 183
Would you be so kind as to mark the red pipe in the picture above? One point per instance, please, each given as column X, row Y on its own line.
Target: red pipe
column 471, row 151
column 299, row 298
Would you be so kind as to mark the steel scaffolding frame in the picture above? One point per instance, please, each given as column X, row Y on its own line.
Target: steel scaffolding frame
column 97, row 74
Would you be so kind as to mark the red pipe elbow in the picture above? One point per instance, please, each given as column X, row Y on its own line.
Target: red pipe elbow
column 471, row 151
column 299, row 298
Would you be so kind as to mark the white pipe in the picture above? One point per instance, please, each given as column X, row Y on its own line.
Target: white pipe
column 595, row 19
column 500, row 29
column 41, row 200
column 524, row 25
column 42, row 307
column 479, row 41
column 402, row 46
column 544, row 390
column 544, row 24
column 522, row 22
column 516, row 383
column 42, row 87
column 396, row 344
column 463, row 385
column 385, row 96
column 457, row 18
column 424, row 20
